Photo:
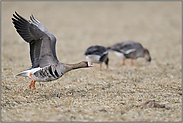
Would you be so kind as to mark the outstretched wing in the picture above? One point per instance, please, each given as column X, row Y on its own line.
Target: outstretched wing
column 42, row 42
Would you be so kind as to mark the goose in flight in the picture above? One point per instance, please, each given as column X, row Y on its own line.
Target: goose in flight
column 130, row 50
column 45, row 65
column 97, row 54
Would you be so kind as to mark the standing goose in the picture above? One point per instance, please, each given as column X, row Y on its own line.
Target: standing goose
column 130, row 50
column 45, row 65
column 97, row 54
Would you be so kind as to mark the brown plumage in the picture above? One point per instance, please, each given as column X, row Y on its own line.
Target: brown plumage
column 45, row 65
column 130, row 50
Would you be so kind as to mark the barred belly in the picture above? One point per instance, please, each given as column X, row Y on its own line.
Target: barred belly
column 48, row 73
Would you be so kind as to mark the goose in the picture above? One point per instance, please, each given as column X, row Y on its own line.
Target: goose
column 130, row 50
column 97, row 54
column 45, row 66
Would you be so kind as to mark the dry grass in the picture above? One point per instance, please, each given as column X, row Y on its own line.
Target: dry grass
column 116, row 94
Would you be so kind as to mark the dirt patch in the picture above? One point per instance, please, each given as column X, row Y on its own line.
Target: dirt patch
column 152, row 104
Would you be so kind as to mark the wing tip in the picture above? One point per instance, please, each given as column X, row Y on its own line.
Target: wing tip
column 16, row 13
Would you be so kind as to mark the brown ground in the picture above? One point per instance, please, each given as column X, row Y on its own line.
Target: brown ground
column 117, row 94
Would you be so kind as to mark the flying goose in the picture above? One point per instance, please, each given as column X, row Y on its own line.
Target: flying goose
column 130, row 50
column 45, row 65
column 97, row 54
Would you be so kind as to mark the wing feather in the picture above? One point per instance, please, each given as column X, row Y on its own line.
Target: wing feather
column 41, row 41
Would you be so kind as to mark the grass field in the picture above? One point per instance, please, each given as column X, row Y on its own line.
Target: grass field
column 114, row 94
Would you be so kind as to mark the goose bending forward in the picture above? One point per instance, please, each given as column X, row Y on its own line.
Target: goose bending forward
column 97, row 54
column 45, row 65
column 130, row 50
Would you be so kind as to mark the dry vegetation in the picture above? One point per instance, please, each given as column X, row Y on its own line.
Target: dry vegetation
column 117, row 94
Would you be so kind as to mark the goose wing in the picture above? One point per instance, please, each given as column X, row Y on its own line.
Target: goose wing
column 41, row 41
column 127, row 47
column 131, row 47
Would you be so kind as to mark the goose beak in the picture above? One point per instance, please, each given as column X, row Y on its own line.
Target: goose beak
column 89, row 65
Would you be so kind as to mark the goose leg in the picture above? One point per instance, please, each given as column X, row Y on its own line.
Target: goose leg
column 33, row 85
column 32, row 82
column 132, row 62
column 100, row 66
column 123, row 62
column 107, row 66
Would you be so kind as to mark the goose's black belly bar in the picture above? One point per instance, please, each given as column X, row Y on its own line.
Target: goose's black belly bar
column 48, row 73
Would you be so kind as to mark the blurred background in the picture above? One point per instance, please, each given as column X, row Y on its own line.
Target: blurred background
column 78, row 25
column 157, row 25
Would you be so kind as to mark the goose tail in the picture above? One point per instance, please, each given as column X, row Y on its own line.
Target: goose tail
column 24, row 73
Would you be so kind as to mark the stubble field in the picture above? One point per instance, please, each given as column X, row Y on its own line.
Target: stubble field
column 114, row 94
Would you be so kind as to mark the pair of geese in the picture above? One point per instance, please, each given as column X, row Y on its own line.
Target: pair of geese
column 45, row 65
column 125, row 50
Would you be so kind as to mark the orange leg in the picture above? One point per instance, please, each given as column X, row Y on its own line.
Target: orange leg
column 100, row 66
column 33, row 85
column 132, row 62
column 32, row 82
column 123, row 62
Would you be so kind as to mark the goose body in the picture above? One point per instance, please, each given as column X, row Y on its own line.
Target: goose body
column 130, row 50
column 45, row 65
column 97, row 54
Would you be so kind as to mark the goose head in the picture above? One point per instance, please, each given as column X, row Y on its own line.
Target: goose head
column 147, row 56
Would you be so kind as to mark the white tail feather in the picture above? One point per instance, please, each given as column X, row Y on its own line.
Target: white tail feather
column 26, row 72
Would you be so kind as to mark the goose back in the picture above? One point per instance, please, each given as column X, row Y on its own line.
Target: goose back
column 130, row 49
column 97, row 54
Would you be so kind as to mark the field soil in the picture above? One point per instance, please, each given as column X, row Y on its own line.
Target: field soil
column 119, row 94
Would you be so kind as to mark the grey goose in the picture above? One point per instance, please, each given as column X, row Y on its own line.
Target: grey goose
column 130, row 50
column 97, row 54
column 45, row 65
